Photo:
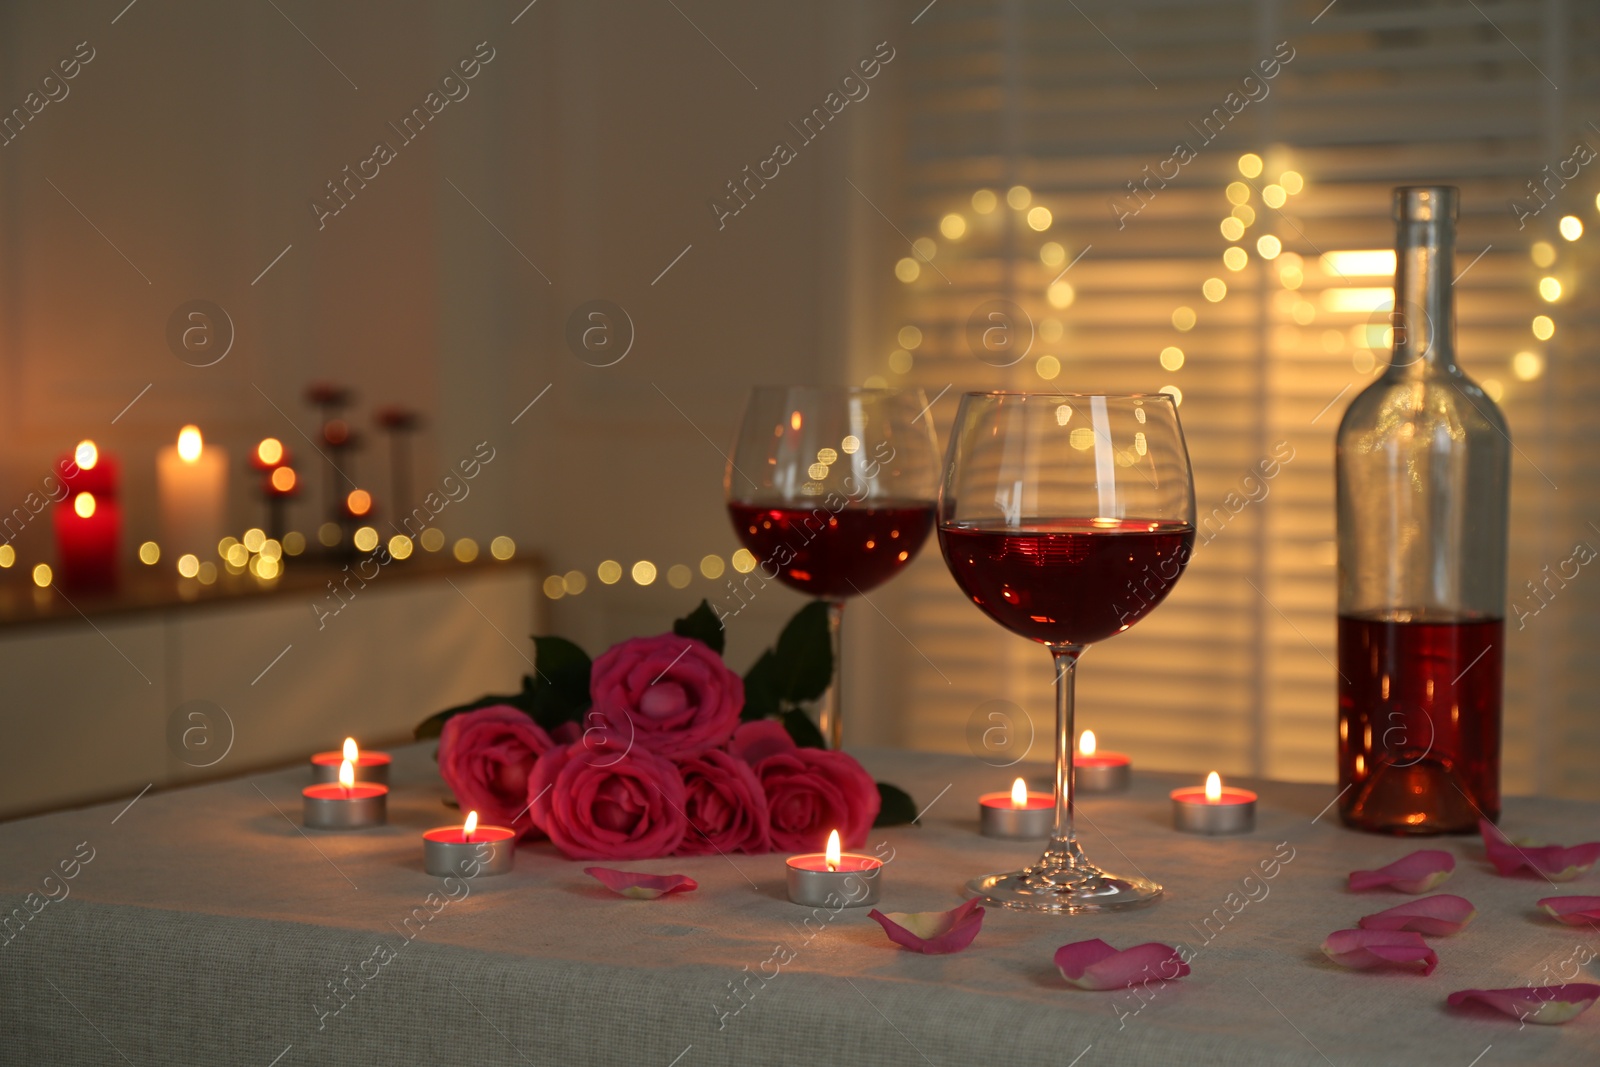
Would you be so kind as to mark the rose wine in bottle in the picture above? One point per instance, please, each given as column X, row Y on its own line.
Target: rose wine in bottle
column 1423, row 473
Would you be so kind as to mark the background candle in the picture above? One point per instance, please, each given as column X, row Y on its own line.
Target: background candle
column 368, row 766
column 1213, row 809
column 88, row 520
column 1017, row 814
column 192, row 483
column 1099, row 772
column 87, row 469
column 88, row 532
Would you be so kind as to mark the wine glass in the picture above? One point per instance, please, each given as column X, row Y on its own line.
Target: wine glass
column 1066, row 518
column 832, row 490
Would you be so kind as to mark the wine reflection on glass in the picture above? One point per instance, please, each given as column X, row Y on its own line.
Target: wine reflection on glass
column 832, row 490
column 1066, row 519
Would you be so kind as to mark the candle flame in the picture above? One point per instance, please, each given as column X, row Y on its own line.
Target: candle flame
column 795, row 421
column 347, row 774
column 1086, row 743
column 351, row 752
column 832, row 855
column 83, row 504
column 1019, row 794
column 1213, row 787
column 283, row 479
column 189, row 444
column 86, row 455
column 270, row 451
column 470, row 825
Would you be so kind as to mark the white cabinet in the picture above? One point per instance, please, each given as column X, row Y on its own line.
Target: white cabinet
column 100, row 705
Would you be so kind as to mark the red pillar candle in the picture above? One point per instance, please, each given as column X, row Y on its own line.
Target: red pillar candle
column 88, row 521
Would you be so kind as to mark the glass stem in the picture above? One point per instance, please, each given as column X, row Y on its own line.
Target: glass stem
column 832, row 718
column 1064, row 841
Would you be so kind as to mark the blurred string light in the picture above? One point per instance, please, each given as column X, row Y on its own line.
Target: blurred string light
column 1061, row 293
column 1233, row 227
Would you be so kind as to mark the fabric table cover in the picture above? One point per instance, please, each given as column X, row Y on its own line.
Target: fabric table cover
column 203, row 925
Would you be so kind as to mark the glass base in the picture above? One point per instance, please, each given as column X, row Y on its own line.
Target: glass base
column 1063, row 889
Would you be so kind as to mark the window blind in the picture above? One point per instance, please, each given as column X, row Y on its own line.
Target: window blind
column 1080, row 162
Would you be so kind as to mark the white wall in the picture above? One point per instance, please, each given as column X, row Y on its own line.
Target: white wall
column 197, row 137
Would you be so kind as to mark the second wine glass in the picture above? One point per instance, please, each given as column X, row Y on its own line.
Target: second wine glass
column 1066, row 519
column 831, row 489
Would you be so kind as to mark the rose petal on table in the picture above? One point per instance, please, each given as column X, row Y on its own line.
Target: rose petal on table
column 1574, row 911
column 934, row 933
column 1096, row 965
column 641, row 886
column 1559, row 863
column 1380, row 948
column 1544, row 1004
column 1420, row 872
column 1441, row 913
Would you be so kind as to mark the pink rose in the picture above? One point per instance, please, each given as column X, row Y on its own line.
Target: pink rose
column 809, row 791
column 485, row 756
column 755, row 741
column 672, row 695
column 726, row 808
column 603, row 801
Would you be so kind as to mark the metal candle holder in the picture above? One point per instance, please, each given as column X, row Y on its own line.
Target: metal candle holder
column 853, row 883
column 446, row 851
column 334, row 807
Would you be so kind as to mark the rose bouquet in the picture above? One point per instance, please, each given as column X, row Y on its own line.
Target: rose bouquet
column 657, row 748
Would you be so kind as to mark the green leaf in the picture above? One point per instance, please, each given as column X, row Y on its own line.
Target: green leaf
column 802, row 729
column 898, row 807
column 557, row 692
column 804, row 668
column 560, row 683
column 761, row 688
column 702, row 624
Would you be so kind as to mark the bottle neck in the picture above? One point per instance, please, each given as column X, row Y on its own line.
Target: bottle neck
column 1424, row 317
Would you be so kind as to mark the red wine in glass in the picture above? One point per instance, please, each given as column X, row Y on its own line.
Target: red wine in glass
column 1068, row 581
column 1419, row 722
column 833, row 554
column 832, row 490
column 1066, row 518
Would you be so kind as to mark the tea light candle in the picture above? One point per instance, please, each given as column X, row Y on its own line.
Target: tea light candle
column 1017, row 814
column 456, row 850
column 345, row 806
column 1099, row 772
column 369, row 766
column 1214, row 810
column 831, row 878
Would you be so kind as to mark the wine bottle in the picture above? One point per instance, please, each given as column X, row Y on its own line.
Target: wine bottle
column 1422, row 472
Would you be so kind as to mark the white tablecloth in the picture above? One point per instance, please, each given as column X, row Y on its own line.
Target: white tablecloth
column 208, row 928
